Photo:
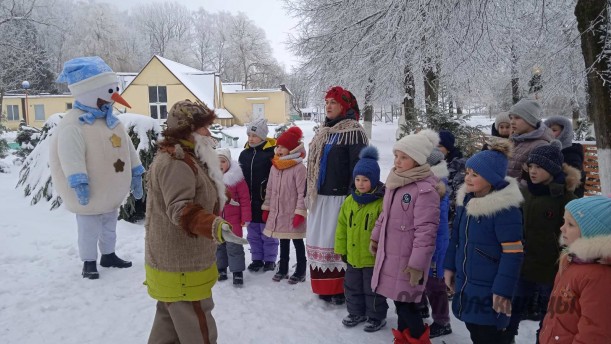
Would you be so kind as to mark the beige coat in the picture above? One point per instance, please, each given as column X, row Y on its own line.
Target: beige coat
column 181, row 210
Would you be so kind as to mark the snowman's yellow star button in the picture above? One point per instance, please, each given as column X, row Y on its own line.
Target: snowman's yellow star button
column 115, row 140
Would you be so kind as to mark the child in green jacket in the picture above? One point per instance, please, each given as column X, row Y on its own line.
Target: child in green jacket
column 356, row 220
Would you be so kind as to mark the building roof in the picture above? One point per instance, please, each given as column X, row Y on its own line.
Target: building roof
column 125, row 79
column 259, row 90
column 231, row 87
column 200, row 83
column 223, row 114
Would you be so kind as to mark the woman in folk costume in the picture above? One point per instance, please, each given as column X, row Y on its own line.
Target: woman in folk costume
column 93, row 161
column 333, row 153
column 183, row 227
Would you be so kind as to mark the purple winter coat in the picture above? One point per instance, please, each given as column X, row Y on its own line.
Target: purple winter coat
column 285, row 198
column 237, row 209
column 405, row 232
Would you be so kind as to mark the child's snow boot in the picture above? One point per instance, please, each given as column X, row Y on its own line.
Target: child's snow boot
column 238, row 279
column 255, row 266
column 222, row 275
column 269, row 266
column 438, row 330
column 279, row 276
column 112, row 261
column 296, row 278
column 374, row 325
column 90, row 270
column 352, row 320
column 283, row 270
column 300, row 272
column 424, row 338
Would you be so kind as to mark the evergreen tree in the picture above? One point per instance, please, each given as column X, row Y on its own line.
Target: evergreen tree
column 469, row 139
column 144, row 133
column 27, row 137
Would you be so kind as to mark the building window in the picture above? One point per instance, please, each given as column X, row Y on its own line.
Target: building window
column 12, row 112
column 158, row 102
column 39, row 112
column 68, row 106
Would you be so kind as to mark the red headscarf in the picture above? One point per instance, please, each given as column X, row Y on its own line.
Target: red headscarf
column 341, row 96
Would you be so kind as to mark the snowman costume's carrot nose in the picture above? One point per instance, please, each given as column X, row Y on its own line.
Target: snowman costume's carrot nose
column 117, row 98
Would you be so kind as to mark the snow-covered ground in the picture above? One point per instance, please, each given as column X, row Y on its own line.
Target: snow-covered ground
column 43, row 298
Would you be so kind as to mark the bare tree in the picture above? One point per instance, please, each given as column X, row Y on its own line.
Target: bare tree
column 593, row 21
column 162, row 23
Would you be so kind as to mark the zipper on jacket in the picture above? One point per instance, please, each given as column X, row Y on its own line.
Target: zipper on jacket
column 251, row 162
column 366, row 221
column 350, row 220
column 486, row 255
column 464, row 267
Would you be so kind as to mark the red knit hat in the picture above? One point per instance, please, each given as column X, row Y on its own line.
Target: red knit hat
column 341, row 96
column 290, row 138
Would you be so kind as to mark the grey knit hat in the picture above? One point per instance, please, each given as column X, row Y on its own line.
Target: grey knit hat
column 258, row 127
column 502, row 117
column 435, row 157
column 527, row 109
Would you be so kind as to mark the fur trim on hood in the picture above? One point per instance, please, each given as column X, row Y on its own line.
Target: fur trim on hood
column 590, row 249
column 441, row 170
column 566, row 135
column 494, row 202
column 572, row 177
column 234, row 174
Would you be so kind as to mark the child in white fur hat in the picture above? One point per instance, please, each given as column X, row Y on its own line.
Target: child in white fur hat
column 403, row 239
column 238, row 213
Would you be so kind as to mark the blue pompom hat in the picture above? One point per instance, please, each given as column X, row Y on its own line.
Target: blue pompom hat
column 368, row 165
column 84, row 74
column 593, row 215
column 492, row 164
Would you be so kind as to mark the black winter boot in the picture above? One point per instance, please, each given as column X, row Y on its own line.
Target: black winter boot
column 112, row 261
column 270, row 266
column 222, row 275
column 255, row 266
column 90, row 270
column 238, row 279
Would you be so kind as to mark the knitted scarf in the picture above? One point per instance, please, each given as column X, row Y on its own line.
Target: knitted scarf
column 372, row 195
column 91, row 114
column 287, row 161
column 396, row 180
column 346, row 132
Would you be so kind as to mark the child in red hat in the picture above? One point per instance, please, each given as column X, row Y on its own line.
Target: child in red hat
column 284, row 209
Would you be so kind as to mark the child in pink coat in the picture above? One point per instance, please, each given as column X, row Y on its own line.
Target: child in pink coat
column 237, row 213
column 403, row 239
column 284, row 209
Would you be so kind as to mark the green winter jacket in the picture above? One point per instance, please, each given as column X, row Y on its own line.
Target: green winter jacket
column 543, row 217
column 354, row 226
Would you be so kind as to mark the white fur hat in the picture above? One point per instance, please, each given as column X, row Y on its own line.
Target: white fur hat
column 418, row 146
column 225, row 153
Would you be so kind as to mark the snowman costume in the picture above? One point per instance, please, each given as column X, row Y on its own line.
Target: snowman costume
column 93, row 161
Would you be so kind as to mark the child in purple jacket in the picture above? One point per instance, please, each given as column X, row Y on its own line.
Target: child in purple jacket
column 284, row 209
column 403, row 238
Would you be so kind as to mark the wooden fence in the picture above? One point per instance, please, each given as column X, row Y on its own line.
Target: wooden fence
column 590, row 167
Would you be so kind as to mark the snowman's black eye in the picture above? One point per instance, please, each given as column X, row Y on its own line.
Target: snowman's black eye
column 117, row 88
column 110, row 90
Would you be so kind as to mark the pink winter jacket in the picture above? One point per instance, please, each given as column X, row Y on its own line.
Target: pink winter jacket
column 405, row 232
column 285, row 198
column 237, row 209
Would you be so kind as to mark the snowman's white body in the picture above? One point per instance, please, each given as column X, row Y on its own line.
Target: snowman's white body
column 107, row 156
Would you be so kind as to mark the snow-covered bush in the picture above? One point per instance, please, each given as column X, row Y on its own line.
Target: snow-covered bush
column 35, row 175
column 27, row 138
column 144, row 133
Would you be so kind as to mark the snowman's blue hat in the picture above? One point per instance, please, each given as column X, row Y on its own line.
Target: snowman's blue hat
column 84, row 74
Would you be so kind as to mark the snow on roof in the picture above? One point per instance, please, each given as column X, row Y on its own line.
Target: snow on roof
column 268, row 90
column 223, row 114
column 125, row 79
column 231, row 87
column 200, row 83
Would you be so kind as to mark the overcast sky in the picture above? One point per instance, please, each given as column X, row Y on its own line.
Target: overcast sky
column 267, row 14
